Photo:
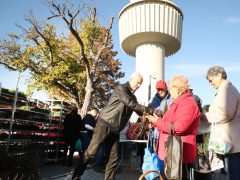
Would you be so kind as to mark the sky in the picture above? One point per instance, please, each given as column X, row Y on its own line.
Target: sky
column 211, row 36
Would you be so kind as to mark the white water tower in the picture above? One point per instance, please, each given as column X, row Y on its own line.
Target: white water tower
column 150, row 30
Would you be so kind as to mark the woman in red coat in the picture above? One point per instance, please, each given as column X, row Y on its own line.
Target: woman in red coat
column 185, row 114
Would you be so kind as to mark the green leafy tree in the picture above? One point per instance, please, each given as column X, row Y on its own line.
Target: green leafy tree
column 79, row 65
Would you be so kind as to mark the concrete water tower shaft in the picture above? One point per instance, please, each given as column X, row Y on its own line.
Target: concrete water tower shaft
column 150, row 30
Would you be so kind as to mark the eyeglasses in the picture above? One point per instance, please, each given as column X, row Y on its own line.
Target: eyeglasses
column 210, row 80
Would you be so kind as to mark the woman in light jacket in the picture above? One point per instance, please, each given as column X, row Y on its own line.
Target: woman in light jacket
column 185, row 114
column 224, row 114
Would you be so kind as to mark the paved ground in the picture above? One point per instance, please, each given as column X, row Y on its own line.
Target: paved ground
column 56, row 171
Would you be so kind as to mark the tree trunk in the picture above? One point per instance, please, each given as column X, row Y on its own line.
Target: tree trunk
column 87, row 98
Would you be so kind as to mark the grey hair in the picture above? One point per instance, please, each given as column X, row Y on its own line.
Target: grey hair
column 216, row 70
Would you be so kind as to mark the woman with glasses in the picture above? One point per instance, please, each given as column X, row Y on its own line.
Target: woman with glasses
column 185, row 115
column 224, row 115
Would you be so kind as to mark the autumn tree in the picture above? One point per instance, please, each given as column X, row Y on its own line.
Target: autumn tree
column 79, row 65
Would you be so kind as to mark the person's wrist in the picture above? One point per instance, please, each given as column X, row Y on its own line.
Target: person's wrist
column 154, row 124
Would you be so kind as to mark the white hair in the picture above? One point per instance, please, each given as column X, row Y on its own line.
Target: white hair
column 134, row 75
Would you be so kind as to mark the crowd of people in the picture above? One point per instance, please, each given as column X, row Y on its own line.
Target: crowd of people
column 173, row 103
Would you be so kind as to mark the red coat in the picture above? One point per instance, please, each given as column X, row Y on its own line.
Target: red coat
column 185, row 114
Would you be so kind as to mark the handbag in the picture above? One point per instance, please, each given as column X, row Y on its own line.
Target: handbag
column 151, row 161
column 135, row 131
column 202, row 163
column 173, row 156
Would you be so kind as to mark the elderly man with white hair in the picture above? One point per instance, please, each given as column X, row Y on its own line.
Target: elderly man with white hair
column 111, row 121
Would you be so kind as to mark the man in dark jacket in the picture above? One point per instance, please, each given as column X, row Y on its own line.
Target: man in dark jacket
column 71, row 131
column 111, row 121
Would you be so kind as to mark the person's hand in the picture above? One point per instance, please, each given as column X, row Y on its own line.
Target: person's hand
column 147, row 111
column 141, row 119
column 158, row 112
column 149, row 125
column 152, row 118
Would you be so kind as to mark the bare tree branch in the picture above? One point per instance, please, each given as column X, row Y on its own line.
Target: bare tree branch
column 8, row 66
column 34, row 23
column 106, row 42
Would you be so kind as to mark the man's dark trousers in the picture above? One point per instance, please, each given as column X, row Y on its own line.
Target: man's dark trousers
column 101, row 133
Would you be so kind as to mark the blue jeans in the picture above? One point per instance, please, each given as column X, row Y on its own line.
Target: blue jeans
column 232, row 166
column 98, row 155
column 85, row 139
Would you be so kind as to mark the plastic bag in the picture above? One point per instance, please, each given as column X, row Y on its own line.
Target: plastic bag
column 220, row 142
column 220, row 147
column 151, row 161
column 78, row 146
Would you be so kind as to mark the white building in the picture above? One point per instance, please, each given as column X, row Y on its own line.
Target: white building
column 150, row 30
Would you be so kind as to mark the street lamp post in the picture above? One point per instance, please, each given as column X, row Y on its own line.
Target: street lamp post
column 150, row 87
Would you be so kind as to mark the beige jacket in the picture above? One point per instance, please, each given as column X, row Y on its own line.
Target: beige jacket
column 224, row 112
